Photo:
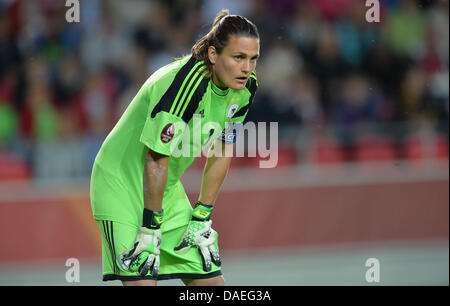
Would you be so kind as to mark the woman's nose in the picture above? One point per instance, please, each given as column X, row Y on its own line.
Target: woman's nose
column 246, row 67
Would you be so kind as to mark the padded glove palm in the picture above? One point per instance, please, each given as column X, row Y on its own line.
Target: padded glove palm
column 200, row 234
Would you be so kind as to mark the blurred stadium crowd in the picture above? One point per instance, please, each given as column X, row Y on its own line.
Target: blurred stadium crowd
column 64, row 85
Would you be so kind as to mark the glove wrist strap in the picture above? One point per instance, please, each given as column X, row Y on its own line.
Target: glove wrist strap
column 202, row 212
column 152, row 219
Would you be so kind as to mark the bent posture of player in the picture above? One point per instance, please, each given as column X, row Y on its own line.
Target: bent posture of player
column 150, row 231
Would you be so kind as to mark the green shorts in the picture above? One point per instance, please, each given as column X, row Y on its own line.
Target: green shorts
column 118, row 237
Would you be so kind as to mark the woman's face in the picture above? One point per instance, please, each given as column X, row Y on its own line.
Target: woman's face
column 233, row 66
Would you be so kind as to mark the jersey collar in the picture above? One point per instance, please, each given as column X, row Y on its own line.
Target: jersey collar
column 218, row 91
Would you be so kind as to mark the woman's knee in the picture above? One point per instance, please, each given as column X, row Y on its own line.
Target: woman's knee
column 144, row 282
column 214, row 281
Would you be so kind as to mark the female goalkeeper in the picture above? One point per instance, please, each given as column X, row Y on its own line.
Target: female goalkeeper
column 150, row 231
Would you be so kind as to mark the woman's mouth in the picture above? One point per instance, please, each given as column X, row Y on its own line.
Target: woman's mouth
column 242, row 79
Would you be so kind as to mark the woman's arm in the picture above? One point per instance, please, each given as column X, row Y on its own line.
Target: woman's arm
column 155, row 178
column 214, row 173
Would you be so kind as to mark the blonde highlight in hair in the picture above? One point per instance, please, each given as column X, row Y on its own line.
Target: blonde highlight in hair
column 223, row 27
column 220, row 16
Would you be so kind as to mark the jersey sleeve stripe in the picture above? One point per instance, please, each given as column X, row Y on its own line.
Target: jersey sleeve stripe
column 187, row 91
column 194, row 88
column 168, row 101
column 194, row 99
column 183, row 88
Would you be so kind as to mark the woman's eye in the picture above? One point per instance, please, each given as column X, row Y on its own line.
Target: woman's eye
column 238, row 57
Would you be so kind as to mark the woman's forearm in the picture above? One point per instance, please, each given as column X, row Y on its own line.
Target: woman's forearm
column 154, row 180
column 215, row 171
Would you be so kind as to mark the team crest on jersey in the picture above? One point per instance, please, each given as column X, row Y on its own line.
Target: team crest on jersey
column 167, row 133
column 232, row 110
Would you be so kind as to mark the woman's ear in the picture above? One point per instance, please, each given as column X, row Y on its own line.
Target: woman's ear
column 212, row 54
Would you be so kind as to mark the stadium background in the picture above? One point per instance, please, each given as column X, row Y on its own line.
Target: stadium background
column 362, row 110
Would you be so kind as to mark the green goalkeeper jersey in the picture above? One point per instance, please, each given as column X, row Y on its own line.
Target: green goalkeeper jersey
column 177, row 112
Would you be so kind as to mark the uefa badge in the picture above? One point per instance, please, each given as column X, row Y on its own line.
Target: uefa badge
column 167, row 133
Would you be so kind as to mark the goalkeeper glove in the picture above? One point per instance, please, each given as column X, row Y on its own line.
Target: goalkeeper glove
column 199, row 233
column 143, row 257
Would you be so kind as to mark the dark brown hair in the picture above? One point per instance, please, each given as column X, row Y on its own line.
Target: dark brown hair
column 223, row 27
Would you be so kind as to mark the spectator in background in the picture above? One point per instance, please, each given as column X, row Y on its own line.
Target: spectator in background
column 355, row 104
column 303, row 29
column 406, row 29
column 136, row 59
column 355, row 35
column 153, row 36
column 50, row 43
column 331, row 10
column 414, row 96
column 260, row 13
column 91, row 12
column 327, row 65
column 10, row 55
column 385, row 68
column 98, row 104
column 403, row 59
column 39, row 115
column 105, row 46
column 68, row 80
column 8, row 116
column 306, row 100
column 98, row 108
column 437, row 18
column 282, row 9
column 281, row 63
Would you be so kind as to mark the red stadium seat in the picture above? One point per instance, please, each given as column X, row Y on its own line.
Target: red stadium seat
column 414, row 148
column 375, row 149
column 442, row 147
column 286, row 156
column 327, row 152
column 13, row 167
